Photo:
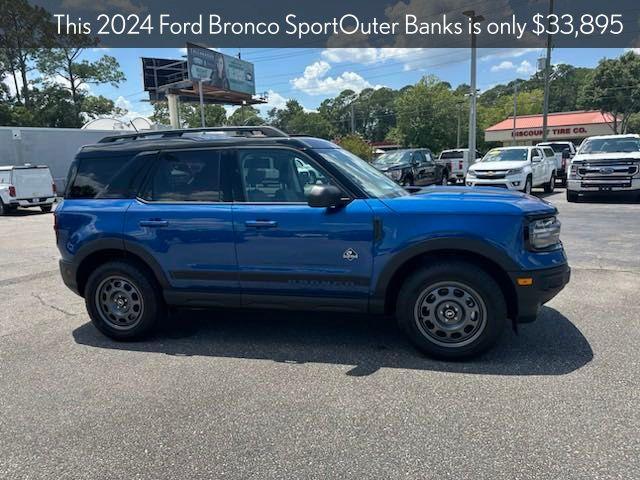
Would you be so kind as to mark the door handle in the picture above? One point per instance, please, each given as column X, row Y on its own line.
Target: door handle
column 153, row 223
column 261, row 224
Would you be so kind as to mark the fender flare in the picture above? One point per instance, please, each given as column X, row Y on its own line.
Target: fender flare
column 125, row 246
column 471, row 245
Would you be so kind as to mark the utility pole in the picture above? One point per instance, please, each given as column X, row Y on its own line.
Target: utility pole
column 459, row 125
column 515, row 109
column 474, row 91
column 201, row 104
column 547, row 75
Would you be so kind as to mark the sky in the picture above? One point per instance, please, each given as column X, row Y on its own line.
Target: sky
column 310, row 75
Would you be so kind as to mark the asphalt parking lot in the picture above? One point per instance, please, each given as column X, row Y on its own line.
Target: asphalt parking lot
column 269, row 395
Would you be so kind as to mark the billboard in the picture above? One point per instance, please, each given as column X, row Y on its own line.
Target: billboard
column 219, row 70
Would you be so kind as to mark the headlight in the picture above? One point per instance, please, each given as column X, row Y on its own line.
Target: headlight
column 544, row 233
column 395, row 174
column 515, row 171
column 471, row 173
column 573, row 170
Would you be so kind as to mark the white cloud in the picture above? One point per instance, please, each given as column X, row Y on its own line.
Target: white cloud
column 634, row 50
column 487, row 54
column 505, row 65
column 526, row 68
column 315, row 82
column 132, row 112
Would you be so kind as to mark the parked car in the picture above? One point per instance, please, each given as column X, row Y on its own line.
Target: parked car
column 457, row 162
column 564, row 152
column 187, row 219
column 412, row 167
column 514, row 168
column 26, row 186
column 605, row 164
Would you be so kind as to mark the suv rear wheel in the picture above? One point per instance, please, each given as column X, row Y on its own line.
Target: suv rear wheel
column 452, row 310
column 122, row 301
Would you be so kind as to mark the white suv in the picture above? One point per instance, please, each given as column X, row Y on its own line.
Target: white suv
column 605, row 164
column 514, row 168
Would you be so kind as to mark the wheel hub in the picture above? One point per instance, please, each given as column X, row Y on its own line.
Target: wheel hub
column 119, row 302
column 450, row 314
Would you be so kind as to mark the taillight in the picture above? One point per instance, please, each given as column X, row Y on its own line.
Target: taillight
column 460, row 165
column 12, row 191
column 53, row 187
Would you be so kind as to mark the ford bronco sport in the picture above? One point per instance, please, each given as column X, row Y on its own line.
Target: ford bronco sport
column 250, row 217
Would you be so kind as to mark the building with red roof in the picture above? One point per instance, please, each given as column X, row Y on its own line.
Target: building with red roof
column 572, row 126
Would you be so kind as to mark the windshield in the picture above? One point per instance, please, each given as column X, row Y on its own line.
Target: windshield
column 610, row 145
column 506, row 155
column 393, row 157
column 372, row 181
column 450, row 155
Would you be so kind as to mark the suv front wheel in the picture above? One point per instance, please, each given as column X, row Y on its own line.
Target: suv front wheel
column 122, row 301
column 452, row 310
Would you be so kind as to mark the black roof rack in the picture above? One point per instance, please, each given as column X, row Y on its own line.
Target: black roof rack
column 259, row 131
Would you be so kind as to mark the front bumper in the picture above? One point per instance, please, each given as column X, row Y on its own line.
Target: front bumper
column 510, row 183
column 594, row 186
column 547, row 283
column 68, row 273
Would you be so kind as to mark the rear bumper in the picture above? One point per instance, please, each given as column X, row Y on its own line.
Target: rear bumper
column 68, row 273
column 547, row 283
column 33, row 202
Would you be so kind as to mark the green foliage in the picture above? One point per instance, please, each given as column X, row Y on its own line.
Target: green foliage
column 613, row 87
column 357, row 145
column 246, row 115
column 214, row 115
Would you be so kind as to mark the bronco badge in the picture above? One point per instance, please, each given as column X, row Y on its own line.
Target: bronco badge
column 350, row 254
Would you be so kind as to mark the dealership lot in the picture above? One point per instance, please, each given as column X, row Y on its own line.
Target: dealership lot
column 273, row 395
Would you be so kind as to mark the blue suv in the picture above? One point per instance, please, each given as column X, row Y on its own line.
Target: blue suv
column 251, row 217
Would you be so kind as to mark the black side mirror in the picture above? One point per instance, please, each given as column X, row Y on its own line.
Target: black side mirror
column 566, row 154
column 326, row 196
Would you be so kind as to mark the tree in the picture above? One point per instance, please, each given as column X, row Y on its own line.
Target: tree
column 614, row 88
column 427, row 115
column 214, row 115
column 337, row 111
column 65, row 63
column 282, row 117
column 310, row 123
column 25, row 30
column 245, row 115
column 357, row 145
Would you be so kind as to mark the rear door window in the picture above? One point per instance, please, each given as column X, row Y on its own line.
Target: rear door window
column 189, row 176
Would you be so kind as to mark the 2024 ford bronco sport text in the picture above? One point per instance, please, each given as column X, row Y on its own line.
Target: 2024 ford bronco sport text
column 250, row 217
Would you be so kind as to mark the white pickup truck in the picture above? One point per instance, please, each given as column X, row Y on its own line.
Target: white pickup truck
column 563, row 152
column 457, row 162
column 605, row 164
column 26, row 186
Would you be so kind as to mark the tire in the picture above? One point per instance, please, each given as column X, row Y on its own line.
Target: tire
column 46, row 208
column 123, row 301
column 550, row 186
column 572, row 197
column 527, row 186
column 447, row 285
column 407, row 182
column 3, row 209
column 445, row 179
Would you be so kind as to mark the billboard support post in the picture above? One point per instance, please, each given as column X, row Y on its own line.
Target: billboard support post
column 201, row 103
column 172, row 100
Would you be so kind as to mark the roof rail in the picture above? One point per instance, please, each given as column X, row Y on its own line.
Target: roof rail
column 243, row 131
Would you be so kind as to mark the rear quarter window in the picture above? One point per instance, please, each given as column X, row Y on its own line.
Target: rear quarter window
column 104, row 177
